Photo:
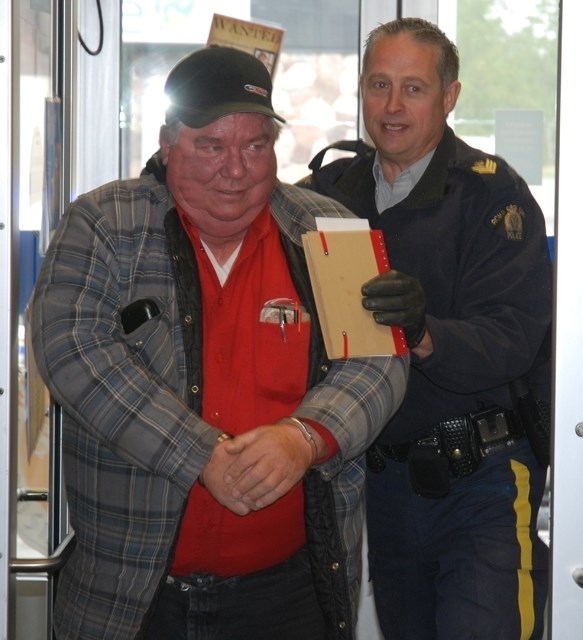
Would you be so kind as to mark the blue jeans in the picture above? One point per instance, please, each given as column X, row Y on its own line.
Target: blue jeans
column 466, row 566
column 275, row 604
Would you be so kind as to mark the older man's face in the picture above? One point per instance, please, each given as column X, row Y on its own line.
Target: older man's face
column 223, row 174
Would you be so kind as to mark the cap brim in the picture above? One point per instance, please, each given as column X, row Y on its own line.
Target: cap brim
column 197, row 118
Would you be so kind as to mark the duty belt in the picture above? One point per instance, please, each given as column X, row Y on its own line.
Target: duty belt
column 462, row 441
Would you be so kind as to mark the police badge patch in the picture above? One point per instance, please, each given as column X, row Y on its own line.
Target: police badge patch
column 512, row 217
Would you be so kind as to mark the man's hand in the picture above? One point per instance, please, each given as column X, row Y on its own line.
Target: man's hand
column 397, row 299
column 266, row 463
column 212, row 477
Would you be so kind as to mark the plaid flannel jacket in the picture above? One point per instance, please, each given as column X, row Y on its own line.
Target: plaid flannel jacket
column 133, row 441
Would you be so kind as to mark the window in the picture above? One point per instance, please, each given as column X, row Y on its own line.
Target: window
column 315, row 83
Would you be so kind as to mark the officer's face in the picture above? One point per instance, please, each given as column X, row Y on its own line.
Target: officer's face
column 223, row 174
column 404, row 103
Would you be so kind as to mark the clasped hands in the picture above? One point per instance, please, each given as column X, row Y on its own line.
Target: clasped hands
column 254, row 469
column 258, row 467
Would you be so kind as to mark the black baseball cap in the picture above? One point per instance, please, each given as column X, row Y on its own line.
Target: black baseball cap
column 216, row 81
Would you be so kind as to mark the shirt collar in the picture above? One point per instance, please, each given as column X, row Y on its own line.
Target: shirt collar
column 387, row 195
column 258, row 229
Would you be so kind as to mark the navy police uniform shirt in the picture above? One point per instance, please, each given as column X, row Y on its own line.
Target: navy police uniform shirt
column 475, row 237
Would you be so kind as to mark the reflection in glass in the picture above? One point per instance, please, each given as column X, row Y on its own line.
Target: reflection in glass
column 32, row 435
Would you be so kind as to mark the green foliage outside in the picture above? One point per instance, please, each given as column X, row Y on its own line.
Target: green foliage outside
column 506, row 66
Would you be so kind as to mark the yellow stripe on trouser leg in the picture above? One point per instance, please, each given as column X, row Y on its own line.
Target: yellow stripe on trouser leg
column 523, row 514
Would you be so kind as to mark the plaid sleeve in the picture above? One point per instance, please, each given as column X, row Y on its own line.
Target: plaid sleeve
column 125, row 392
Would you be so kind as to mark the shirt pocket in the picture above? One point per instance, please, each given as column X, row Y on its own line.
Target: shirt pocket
column 282, row 360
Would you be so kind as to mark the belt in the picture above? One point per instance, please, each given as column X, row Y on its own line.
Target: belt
column 464, row 441
column 208, row 581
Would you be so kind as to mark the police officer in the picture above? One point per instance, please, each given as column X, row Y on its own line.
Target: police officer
column 454, row 486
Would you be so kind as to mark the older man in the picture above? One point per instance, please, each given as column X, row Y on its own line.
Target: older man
column 213, row 454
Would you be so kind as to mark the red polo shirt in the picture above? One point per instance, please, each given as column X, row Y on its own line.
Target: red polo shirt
column 251, row 377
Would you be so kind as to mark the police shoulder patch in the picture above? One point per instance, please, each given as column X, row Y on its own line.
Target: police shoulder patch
column 512, row 217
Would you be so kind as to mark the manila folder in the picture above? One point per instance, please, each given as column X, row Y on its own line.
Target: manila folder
column 339, row 263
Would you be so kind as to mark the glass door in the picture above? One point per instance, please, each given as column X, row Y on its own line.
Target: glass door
column 507, row 106
column 52, row 151
column 8, row 389
column 35, row 116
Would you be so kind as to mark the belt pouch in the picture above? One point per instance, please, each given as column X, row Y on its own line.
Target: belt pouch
column 429, row 470
column 535, row 415
column 461, row 448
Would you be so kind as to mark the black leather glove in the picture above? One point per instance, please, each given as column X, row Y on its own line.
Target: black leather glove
column 397, row 299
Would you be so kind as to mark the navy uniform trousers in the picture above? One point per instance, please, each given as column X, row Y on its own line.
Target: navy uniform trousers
column 466, row 566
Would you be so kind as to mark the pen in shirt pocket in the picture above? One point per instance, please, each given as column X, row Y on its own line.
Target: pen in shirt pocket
column 285, row 312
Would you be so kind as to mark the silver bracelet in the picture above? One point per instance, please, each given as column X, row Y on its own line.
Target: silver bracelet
column 306, row 432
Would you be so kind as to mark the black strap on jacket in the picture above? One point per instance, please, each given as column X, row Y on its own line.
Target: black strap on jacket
column 322, row 178
column 359, row 147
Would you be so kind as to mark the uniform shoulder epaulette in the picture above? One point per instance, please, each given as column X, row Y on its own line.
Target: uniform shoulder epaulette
column 478, row 163
column 492, row 170
column 487, row 166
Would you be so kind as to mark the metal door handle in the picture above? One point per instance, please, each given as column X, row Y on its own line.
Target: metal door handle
column 578, row 576
column 51, row 564
column 32, row 495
